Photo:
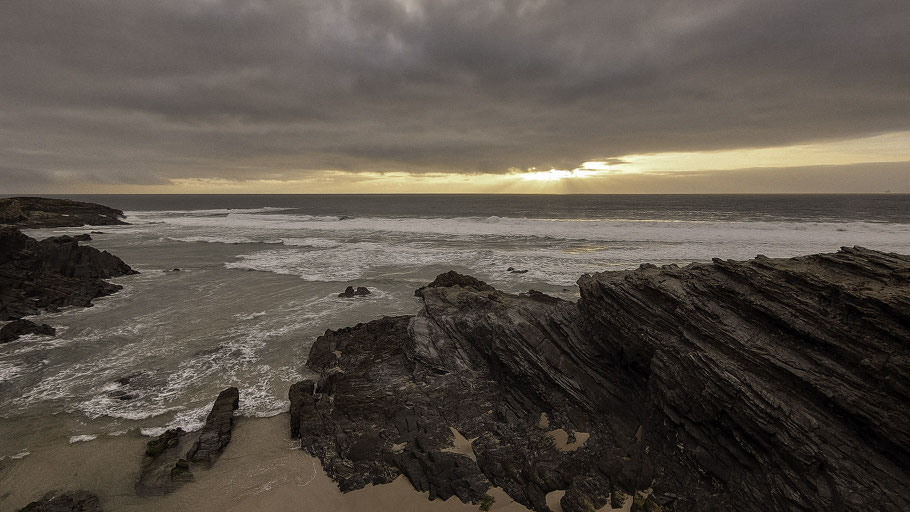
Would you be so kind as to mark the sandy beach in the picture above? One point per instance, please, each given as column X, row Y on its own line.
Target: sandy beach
column 262, row 469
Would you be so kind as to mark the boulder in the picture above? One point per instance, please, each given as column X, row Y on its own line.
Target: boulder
column 350, row 291
column 16, row 328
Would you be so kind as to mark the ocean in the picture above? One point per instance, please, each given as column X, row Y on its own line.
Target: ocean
column 259, row 278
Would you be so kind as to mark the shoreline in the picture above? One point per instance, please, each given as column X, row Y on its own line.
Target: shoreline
column 563, row 403
column 262, row 469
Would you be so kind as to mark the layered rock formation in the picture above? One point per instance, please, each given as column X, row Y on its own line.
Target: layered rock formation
column 43, row 212
column 769, row 384
column 54, row 272
column 169, row 458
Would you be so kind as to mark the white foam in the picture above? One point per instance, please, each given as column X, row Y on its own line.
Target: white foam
column 350, row 261
column 83, row 438
column 153, row 214
column 565, row 249
column 189, row 420
column 249, row 316
column 512, row 227
column 318, row 243
column 9, row 371
column 260, row 399
column 222, row 240
column 20, row 455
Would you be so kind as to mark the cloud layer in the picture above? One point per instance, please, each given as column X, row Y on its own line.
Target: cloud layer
column 140, row 92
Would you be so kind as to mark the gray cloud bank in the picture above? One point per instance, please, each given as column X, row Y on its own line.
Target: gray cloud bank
column 137, row 91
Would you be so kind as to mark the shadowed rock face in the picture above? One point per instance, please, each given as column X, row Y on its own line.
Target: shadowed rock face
column 42, row 212
column 52, row 273
column 73, row 501
column 769, row 384
column 169, row 458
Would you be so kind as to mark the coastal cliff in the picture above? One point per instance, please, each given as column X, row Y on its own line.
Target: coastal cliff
column 769, row 384
column 43, row 212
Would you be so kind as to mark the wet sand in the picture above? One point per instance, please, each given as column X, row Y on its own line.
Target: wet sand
column 261, row 470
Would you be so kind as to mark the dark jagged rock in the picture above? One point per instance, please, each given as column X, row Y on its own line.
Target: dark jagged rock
column 43, row 212
column 769, row 384
column 216, row 433
column 350, row 291
column 169, row 458
column 73, row 501
column 51, row 273
column 16, row 328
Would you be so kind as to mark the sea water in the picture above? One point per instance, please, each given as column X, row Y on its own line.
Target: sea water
column 259, row 278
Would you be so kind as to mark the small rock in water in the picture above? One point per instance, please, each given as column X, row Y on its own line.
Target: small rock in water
column 360, row 291
column 16, row 328
column 120, row 394
column 97, row 232
column 84, row 237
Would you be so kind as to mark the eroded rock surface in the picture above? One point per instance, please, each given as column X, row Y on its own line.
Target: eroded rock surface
column 44, row 212
column 769, row 384
column 52, row 273
column 169, row 458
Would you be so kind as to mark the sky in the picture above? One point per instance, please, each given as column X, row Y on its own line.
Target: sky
column 432, row 96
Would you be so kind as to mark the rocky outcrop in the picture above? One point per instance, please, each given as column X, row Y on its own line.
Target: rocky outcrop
column 43, row 212
column 73, row 501
column 216, row 433
column 169, row 458
column 350, row 291
column 54, row 272
column 769, row 384
column 16, row 328
column 452, row 278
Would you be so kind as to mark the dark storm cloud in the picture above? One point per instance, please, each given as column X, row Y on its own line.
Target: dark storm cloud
column 250, row 88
